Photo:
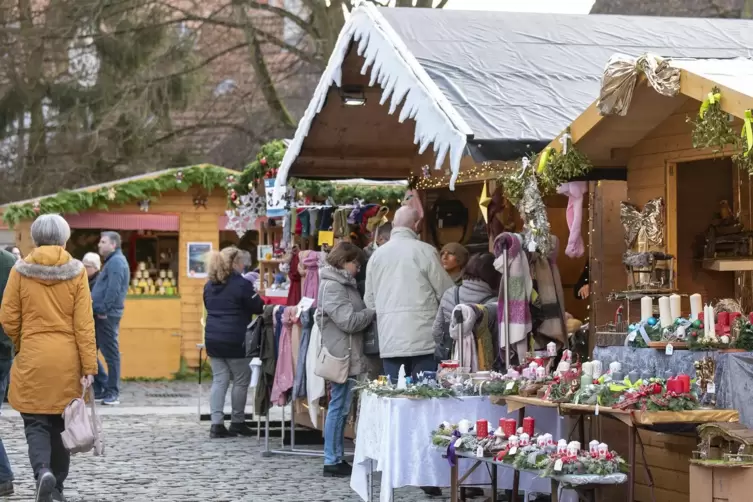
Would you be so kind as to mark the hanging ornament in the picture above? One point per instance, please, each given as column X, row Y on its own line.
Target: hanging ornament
column 263, row 161
column 425, row 172
column 230, row 179
column 483, row 203
column 234, row 196
column 111, row 193
column 36, row 207
column 179, row 176
column 144, row 206
column 199, row 200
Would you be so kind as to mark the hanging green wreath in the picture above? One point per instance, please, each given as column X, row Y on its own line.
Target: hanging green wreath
column 73, row 202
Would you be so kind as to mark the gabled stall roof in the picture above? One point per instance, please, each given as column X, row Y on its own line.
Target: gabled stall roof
column 600, row 136
column 499, row 84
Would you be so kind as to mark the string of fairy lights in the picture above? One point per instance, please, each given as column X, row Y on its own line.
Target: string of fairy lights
column 478, row 172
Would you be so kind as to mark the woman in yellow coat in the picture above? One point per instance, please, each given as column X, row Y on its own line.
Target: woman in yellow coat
column 47, row 313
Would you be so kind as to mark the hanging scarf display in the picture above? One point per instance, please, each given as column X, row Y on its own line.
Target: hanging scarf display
column 294, row 293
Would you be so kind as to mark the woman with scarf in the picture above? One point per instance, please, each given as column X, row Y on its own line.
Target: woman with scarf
column 480, row 284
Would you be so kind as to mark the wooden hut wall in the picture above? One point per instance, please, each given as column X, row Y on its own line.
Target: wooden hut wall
column 653, row 165
column 156, row 333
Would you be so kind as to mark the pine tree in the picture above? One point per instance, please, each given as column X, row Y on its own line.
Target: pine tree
column 91, row 87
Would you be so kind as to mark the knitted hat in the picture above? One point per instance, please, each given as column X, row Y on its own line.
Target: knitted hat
column 458, row 250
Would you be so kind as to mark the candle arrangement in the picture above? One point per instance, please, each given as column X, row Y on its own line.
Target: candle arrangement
column 524, row 451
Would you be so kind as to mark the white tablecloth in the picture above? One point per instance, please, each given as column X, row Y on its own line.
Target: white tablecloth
column 395, row 433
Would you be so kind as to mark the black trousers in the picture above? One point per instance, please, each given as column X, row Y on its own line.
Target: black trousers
column 46, row 449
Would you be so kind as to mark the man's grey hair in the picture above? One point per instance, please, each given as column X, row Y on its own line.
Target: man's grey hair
column 384, row 231
column 113, row 236
column 406, row 217
column 50, row 230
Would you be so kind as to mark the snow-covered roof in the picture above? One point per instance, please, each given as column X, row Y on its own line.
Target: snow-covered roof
column 498, row 84
column 736, row 73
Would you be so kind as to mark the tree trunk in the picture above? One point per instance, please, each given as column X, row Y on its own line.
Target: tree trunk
column 34, row 89
column 261, row 70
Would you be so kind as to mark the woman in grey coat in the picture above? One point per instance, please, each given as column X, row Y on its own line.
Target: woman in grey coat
column 342, row 317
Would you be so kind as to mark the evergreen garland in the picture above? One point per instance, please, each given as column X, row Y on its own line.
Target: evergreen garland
column 268, row 161
column 73, row 202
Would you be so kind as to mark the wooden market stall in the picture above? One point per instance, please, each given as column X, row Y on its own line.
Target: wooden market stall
column 400, row 81
column 705, row 221
column 168, row 221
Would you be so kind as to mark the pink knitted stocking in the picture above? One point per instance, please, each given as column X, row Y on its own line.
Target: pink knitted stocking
column 575, row 190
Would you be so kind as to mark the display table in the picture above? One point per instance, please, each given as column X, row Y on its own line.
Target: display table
column 668, row 422
column 579, row 483
column 734, row 371
column 393, row 437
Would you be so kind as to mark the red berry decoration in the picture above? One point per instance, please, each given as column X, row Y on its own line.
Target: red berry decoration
column 263, row 161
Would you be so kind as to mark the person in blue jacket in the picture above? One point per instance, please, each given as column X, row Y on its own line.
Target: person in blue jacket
column 230, row 302
column 108, row 297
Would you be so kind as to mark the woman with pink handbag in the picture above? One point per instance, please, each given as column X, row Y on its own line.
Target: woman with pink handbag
column 47, row 313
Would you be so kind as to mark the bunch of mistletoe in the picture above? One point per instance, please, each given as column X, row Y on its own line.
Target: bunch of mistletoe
column 712, row 129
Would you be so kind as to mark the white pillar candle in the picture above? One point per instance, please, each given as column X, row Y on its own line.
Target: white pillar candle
column 588, row 369
column 665, row 314
column 597, row 368
column 615, row 366
column 695, row 306
column 647, row 308
column 712, row 322
column 593, row 447
column 675, row 306
column 706, row 321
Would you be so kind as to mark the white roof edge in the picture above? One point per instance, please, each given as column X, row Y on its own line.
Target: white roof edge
column 402, row 79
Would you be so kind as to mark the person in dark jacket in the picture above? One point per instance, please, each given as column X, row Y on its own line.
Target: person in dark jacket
column 7, row 260
column 92, row 265
column 230, row 302
column 108, row 299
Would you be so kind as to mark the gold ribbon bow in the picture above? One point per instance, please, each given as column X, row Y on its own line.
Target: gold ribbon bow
column 712, row 98
column 648, row 224
column 747, row 131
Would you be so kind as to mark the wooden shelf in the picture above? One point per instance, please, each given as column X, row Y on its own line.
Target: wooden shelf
column 728, row 264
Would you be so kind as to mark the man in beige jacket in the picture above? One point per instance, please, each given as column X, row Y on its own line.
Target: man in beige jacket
column 404, row 283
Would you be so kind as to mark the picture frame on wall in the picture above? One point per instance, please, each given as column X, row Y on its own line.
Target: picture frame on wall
column 197, row 256
column 262, row 251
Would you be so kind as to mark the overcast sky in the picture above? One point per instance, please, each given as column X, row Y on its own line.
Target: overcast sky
column 551, row 6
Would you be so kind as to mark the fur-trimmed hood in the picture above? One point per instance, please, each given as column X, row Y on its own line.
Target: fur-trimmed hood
column 49, row 264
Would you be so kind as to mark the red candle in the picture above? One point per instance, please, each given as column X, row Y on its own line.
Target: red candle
column 723, row 318
column 528, row 425
column 674, row 385
column 685, row 380
column 510, row 426
column 482, row 428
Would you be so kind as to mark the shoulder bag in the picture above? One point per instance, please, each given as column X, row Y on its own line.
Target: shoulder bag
column 82, row 432
column 329, row 367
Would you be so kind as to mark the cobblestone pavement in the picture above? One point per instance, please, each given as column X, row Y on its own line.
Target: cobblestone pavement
column 168, row 457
